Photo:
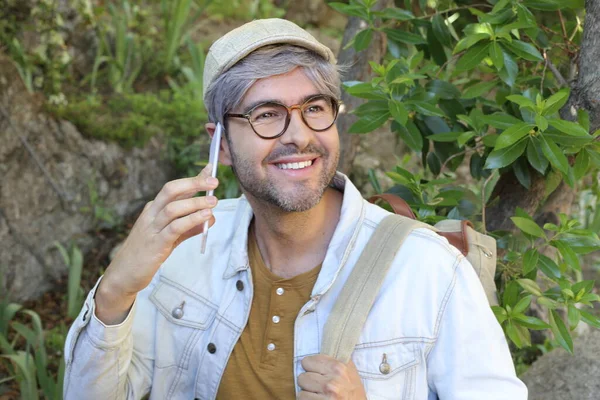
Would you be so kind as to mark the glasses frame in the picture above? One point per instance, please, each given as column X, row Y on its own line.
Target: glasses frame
column 335, row 102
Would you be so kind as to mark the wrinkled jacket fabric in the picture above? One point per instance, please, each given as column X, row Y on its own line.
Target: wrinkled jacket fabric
column 430, row 322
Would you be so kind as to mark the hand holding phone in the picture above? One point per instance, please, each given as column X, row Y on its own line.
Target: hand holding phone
column 213, row 160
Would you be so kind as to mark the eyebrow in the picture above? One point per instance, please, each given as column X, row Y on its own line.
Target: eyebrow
column 263, row 101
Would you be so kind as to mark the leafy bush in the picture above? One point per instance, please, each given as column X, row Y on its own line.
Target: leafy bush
column 469, row 82
column 132, row 119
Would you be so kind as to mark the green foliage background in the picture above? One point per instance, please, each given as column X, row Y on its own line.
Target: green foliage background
column 462, row 79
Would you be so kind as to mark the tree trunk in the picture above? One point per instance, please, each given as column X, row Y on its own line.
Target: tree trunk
column 358, row 70
column 585, row 94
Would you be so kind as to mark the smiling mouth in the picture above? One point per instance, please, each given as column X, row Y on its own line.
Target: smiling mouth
column 295, row 165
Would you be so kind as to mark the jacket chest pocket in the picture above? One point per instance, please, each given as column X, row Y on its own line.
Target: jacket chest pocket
column 183, row 317
column 388, row 371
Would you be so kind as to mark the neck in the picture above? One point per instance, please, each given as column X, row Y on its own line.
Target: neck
column 292, row 243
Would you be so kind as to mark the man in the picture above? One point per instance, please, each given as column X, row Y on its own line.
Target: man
column 245, row 320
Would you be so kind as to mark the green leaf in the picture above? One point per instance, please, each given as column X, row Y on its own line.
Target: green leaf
column 410, row 134
column 521, row 170
column 469, row 41
column 472, row 57
column 530, row 286
column 549, row 267
column 554, row 155
column 590, row 319
column 371, row 109
column 510, row 71
column 441, row 30
column 535, row 156
column 503, row 157
column 521, row 306
column 435, row 48
column 519, row 335
column 587, row 286
column 583, row 117
column 363, row 39
column 522, row 101
column 555, row 102
column 512, row 135
column 541, row 122
column 560, row 331
column 528, row 226
column 368, row 124
column 500, row 314
column 443, row 89
column 570, row 128
column 582, row 244
column 479, row 89
column 353, row 10
column 501, row 120
column 530, row 322
column 524, row 50
column 573, row 316
column 568, row 255
column 497, row 55
column 426, row 108
column 401, row 36
column 398, row 111
column 364, row 90
column 530, row 260
column 582, row 164
column 395, row 13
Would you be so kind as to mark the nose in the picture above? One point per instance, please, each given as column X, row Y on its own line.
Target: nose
column 297, row 133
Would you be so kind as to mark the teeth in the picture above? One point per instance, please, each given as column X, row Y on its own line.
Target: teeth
column 296, row 165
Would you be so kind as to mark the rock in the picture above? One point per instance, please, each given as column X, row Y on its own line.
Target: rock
column 32, row 215
column 561, row 376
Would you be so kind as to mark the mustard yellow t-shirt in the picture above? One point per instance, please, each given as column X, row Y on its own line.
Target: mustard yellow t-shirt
column 261, row 365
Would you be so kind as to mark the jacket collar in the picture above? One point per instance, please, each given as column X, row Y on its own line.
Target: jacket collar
column 340, row 246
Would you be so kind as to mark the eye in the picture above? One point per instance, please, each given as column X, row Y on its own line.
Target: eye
column 266, row 115
column 314, row 108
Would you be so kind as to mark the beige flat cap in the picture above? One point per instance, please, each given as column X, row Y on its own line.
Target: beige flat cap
column 237, row 44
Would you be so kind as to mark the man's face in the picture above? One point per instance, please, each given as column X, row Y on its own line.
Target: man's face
column 263, row 165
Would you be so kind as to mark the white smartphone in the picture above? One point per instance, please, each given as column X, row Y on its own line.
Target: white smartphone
column 213, row 160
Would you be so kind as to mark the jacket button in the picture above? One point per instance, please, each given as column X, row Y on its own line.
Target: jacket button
column 212, row 349
column 239, row 285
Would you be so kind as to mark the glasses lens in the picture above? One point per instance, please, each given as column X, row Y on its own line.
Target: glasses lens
column 319, row 112
column 268, row 120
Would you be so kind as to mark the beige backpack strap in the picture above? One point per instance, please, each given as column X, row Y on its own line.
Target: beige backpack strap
column 350, row 311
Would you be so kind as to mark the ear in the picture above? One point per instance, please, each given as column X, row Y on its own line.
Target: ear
column 224, row 153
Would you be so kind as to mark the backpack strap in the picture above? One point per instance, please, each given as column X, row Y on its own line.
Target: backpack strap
column 350, row 311
column 457, row 236
column 399, row 206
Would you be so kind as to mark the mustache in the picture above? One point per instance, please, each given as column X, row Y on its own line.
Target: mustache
column 292, row 150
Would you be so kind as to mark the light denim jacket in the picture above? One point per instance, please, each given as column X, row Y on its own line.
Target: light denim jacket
column 431, row 320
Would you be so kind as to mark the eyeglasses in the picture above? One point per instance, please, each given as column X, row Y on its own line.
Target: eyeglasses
column 270, row 120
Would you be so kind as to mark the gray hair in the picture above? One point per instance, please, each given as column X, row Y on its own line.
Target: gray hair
column 227, row 91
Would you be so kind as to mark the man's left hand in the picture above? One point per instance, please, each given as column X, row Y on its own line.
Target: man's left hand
column 327, row 378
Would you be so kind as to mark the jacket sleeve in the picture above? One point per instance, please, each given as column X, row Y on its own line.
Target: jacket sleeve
column 471, row 359
column 101, row 361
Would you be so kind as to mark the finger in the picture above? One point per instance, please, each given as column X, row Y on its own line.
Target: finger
column 319, row 363
column 180, row 226
column 312, row 382
column 310, row 396
column 181, row 208
column 183, row 188
column 193, row 232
